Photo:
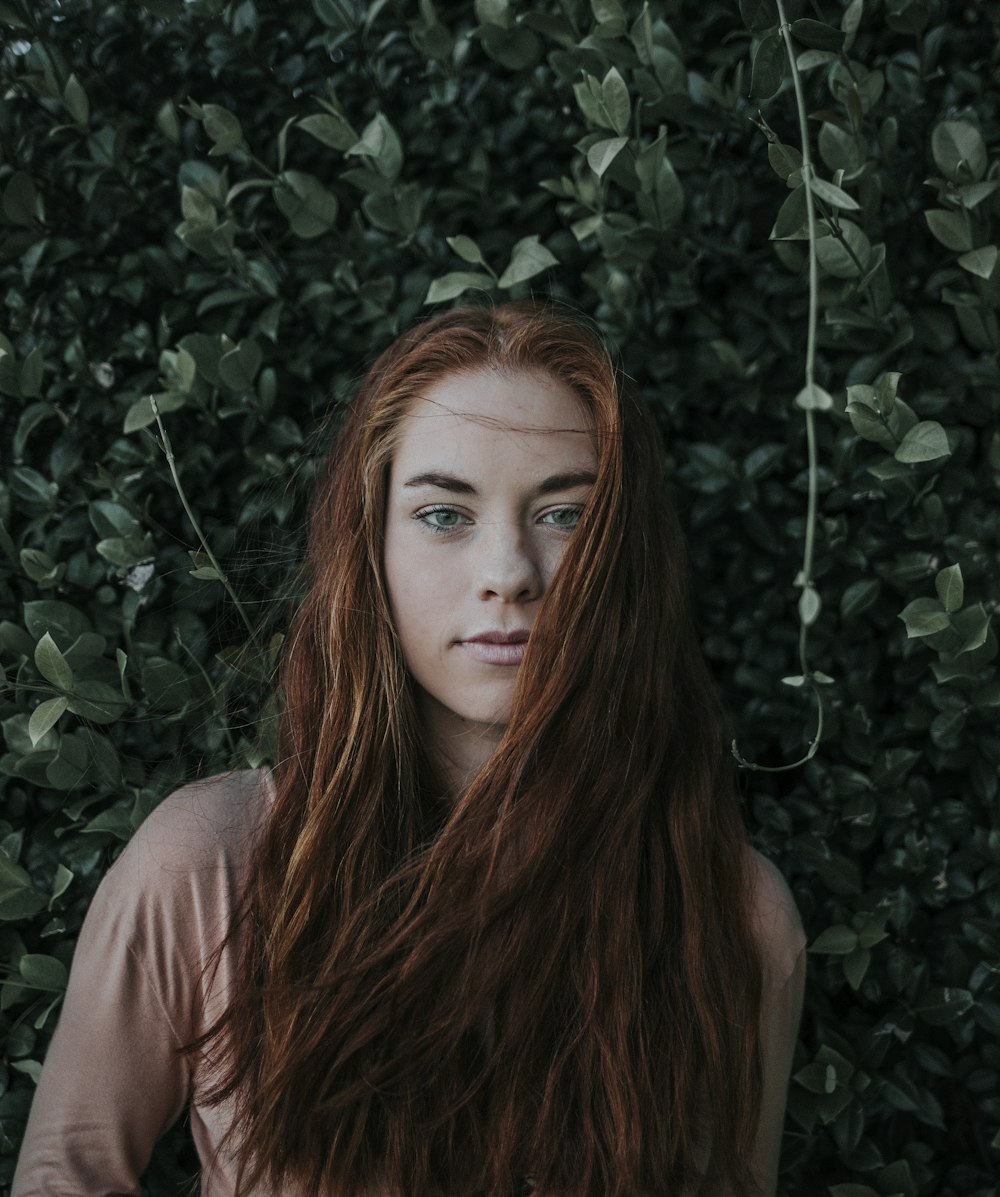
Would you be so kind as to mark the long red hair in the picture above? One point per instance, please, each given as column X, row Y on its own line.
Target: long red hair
column 556, row 977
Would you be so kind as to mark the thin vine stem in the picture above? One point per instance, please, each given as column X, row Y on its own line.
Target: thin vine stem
column 202, row 539
column 804, row 579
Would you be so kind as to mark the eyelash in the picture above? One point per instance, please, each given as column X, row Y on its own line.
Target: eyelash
column 423, row 515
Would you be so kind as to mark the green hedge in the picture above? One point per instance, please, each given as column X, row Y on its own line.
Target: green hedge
column 234, row 206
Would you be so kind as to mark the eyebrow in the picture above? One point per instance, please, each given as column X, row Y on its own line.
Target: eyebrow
column 460, row 486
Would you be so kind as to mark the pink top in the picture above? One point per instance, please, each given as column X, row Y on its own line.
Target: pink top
column 113, row 1082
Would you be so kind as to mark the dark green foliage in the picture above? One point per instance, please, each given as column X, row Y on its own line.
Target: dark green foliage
column 233, row 206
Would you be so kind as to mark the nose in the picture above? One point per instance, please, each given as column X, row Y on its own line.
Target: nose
column 508, row 566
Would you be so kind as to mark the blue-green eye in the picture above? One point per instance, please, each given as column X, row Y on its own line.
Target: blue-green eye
column 563, row 517
column 441, row 519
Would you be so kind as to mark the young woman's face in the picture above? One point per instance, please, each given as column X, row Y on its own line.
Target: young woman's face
column 488, row 478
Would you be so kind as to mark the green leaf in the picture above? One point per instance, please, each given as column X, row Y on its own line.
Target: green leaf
column 197, row 209
column 924, row 617
column 75, row 99
column 784, row 159
column 45, row 616
column 950, row 228
column 381, row 145
column 44, row 717
column 615, row 97
column 31, row 374
column 846, row 255
column 223, row 127
column 926, row 441
column 858, row 597
column 813, row 398
column 940, row 1006
column 973, row 194
column 238, row 368
column 40, row 567
column 21, row 202
column 870, row 933
column 790, row 224
column 306, row 204
column 450, row 286
column 610, row 17
column 52, row 665
column 602, row 153
column 959, row 151
column 759, row 14
column 832, row 195
column 528, row 258
column 494, row 12
column 768, row 68
column 865, row 419
column 972, row 625
column 856, row 965
column 43, row 972
column 980, row 262
column 467, row 250
column 60, row 883
column 835, row 941
column 950, row 587
column 141, row 414
column 96, row 701
column 332, row 129
column 817, row 34
column 850, row 22
column 18, row 897
column 809, row 606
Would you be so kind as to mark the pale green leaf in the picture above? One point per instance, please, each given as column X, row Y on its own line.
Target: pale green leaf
column 44, row 717
column 959, row 151
column 528, row 258
column 835, row 941
column 813, row 397
column 830, row 194
column 449, row 286
column 614, row 94
column 926, row 441
column 52, row 665
column 980, row 262
column 950, row 587
column 602, row 153
column 924, row 617
column 467, row 250
column 75, row 99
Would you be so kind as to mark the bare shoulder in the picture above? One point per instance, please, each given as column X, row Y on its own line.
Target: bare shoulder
column 776, row 918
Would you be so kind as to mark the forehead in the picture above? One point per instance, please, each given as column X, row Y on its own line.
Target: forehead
column 486, row 412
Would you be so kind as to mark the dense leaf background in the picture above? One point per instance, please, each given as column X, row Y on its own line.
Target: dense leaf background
column 234, row 206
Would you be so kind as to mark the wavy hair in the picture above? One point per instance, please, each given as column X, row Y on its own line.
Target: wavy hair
column 553, row 981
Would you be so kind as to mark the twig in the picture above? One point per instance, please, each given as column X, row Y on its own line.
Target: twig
column 206, row 547
column 804, row 579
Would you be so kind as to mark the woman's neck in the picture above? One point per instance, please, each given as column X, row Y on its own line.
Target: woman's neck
column 458, row 748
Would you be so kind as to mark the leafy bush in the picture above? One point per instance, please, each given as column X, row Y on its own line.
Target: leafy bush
column 231, row 207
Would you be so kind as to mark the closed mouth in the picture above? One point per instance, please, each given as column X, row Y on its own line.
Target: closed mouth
column 497, row 648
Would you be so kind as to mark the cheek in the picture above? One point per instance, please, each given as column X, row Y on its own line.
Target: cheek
column 550, row 554
column 417, row 595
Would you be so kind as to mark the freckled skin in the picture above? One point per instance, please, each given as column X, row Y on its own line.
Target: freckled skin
column 487, row 479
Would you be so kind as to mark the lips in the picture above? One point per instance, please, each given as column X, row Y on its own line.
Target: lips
column 496, row 647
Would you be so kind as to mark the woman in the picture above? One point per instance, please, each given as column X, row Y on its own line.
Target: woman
column 493, row 924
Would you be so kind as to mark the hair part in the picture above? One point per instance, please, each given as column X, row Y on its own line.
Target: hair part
column 557, row 977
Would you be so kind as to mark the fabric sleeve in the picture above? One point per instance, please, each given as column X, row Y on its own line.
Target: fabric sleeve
column 113, row 1082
